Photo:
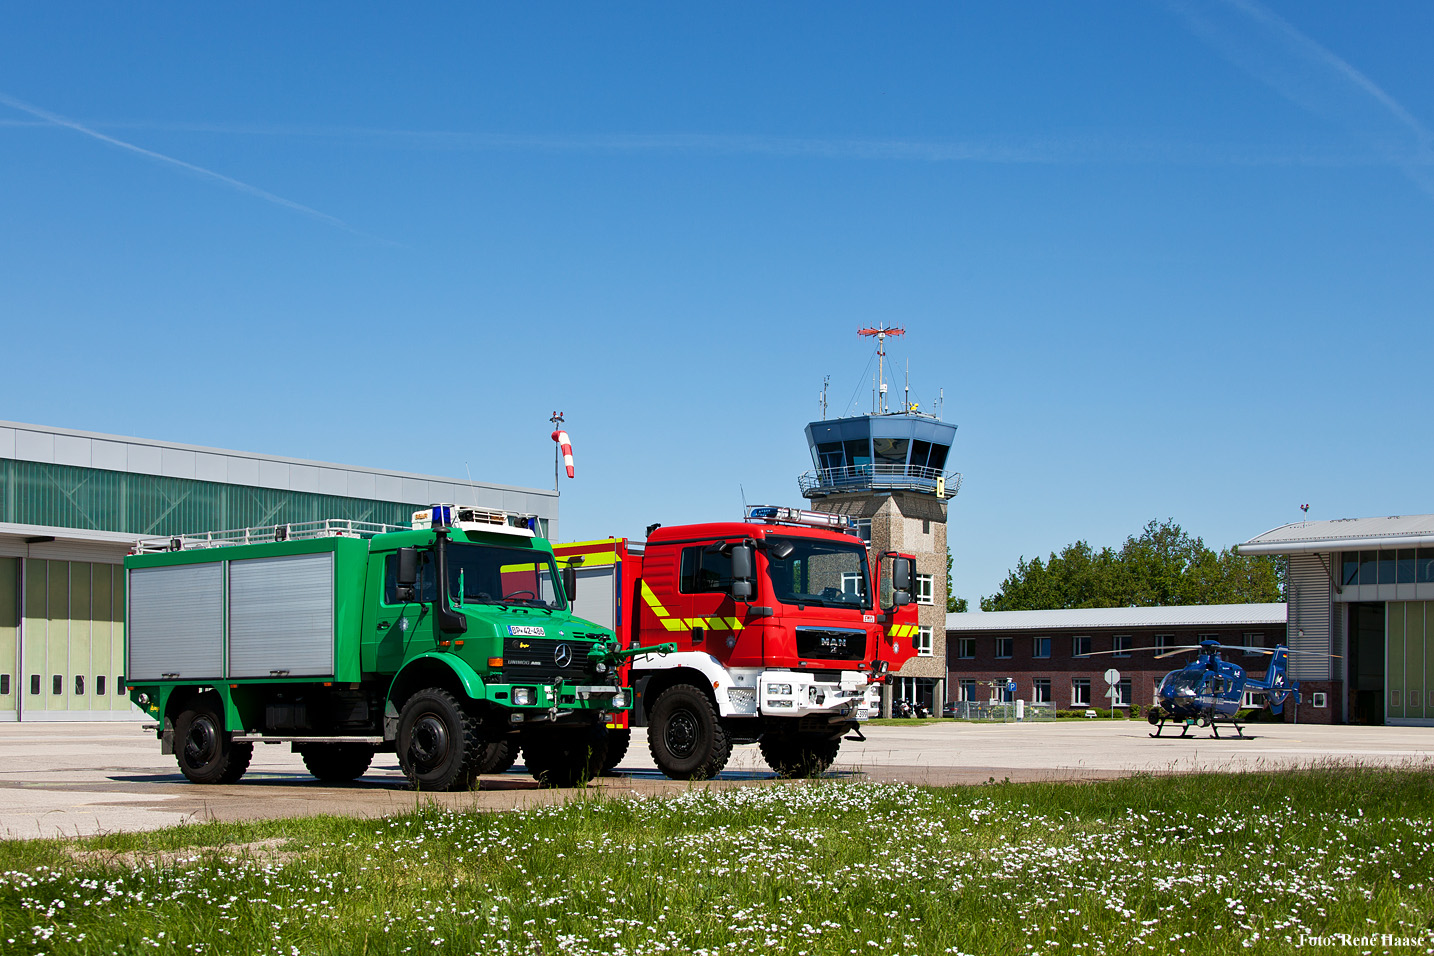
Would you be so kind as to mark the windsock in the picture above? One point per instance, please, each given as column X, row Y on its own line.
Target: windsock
column 561, row 437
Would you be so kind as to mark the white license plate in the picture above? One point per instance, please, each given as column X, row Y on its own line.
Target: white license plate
column 526, row 630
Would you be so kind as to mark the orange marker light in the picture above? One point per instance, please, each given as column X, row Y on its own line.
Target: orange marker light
column 444, row 643
column 495, row 662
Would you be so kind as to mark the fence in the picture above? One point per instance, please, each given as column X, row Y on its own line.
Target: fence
column 998, row 710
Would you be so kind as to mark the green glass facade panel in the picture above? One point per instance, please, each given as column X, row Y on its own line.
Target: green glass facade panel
column 1394, row 659
column 67, row 496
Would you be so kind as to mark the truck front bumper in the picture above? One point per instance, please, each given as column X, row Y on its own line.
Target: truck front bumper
column 796, row 694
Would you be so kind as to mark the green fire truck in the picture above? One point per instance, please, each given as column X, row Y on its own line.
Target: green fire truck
column 449, row 642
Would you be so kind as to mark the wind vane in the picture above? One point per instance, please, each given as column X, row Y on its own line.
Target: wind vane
column 881, row 332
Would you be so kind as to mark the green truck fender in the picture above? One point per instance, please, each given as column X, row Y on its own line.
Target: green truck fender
column 429, row 669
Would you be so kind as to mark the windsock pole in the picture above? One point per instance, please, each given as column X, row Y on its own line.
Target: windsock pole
column 564, row 448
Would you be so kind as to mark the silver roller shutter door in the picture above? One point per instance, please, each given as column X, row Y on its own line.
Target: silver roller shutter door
column 176, row 622
column 281, row 616
column 595, row 600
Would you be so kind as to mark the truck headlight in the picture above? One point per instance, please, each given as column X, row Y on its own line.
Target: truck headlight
column 619, row 701
column 524, row 696
column 600, row 667
column 781, row 690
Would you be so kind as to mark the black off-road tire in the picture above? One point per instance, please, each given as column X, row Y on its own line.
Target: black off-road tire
column 337, row 763
column 617, row 743
column 793, row 756
column 204, row 750
column 438, row 742
column 565, row 758
column 498, row 755
column 685, row 735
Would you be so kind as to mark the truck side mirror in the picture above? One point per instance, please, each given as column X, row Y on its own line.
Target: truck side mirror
column 407, row 576
column 570, row 583
column 901, row 581
column 899, row 586
column 742, row 589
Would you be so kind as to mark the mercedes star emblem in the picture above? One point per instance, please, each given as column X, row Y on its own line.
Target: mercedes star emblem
column 563, row 655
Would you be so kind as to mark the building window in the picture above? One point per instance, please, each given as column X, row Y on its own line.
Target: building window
column 924, row 589
column 119, row 684
column 1080, row 692
column 1121, row 645
column 969, row 690
column 1208, row 637
column 1250, row 699
column 1040, row 647
column 100, row 686
column 1080, row 646
column 57, row 685
column 34, row 683
column 1253, row 642
column 1319, row 699
column 1041, row 690
column 4, row 684
column 925, row 525
column 79, row 685
column 863, row 529
column 1163, row 642
column 1003, row 646
column 852, row 584
column 1122, row 693
column 923, row 642
column 966, row 648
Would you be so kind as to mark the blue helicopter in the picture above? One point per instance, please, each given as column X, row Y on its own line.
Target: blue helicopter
column 1210, row 690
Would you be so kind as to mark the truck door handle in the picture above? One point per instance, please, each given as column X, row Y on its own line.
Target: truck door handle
column 383, row 624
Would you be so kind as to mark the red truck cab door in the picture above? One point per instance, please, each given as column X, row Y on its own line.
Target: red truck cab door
column 686, row 598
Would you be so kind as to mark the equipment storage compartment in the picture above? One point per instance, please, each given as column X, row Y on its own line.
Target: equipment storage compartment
column 176, row 622
column 281, row 616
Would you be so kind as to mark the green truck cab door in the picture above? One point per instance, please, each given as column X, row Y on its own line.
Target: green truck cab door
column 402, row 625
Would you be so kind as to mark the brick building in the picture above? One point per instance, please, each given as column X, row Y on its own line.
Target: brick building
column 1045, row 652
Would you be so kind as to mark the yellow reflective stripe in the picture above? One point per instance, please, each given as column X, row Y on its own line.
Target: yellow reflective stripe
column 717, row 624
column 735, row 624
column 651, row 601
column 672, row 624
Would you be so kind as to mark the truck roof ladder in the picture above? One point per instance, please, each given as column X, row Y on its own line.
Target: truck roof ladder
column 265, row 534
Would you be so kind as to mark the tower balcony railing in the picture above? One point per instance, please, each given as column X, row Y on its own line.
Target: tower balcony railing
column 879, row 477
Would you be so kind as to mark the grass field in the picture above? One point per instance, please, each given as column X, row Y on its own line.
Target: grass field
column 1194, row 864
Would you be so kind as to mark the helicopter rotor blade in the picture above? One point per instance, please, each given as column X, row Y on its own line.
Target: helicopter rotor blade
column 1176, row 650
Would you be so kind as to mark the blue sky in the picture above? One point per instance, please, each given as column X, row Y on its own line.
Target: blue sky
column 1166, row 259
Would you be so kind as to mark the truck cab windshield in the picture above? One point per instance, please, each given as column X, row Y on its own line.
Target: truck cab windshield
column 487, row 574
column 821, row 573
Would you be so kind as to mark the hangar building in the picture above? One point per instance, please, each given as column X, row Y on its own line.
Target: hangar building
column 1361, row 588
column 72, row 504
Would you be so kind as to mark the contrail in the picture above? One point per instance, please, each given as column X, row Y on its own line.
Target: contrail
column 55, row 119
column 1034, row 150
column 1293, row 64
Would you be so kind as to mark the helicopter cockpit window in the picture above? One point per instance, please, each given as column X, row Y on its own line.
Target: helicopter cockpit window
column 1179, row 685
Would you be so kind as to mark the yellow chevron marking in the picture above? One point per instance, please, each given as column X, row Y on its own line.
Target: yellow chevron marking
column 735, row 624
column 717, row 624
column 673, row 624
column 652, row 602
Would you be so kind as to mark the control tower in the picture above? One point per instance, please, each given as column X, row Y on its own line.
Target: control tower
column 888, row 471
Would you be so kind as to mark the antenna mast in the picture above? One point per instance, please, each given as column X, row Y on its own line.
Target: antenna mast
column 826, row 379
column 881, row 332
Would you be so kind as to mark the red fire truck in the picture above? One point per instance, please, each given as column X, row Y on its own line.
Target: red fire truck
column 785, row 628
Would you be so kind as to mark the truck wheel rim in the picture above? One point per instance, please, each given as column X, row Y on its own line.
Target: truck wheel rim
column 430, row 740
column 681, row 736
column 201, row 742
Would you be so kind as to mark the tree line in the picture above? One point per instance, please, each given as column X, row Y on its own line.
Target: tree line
column 1161, row 567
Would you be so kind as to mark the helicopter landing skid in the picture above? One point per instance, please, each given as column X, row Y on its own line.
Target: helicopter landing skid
column 1185, row 726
